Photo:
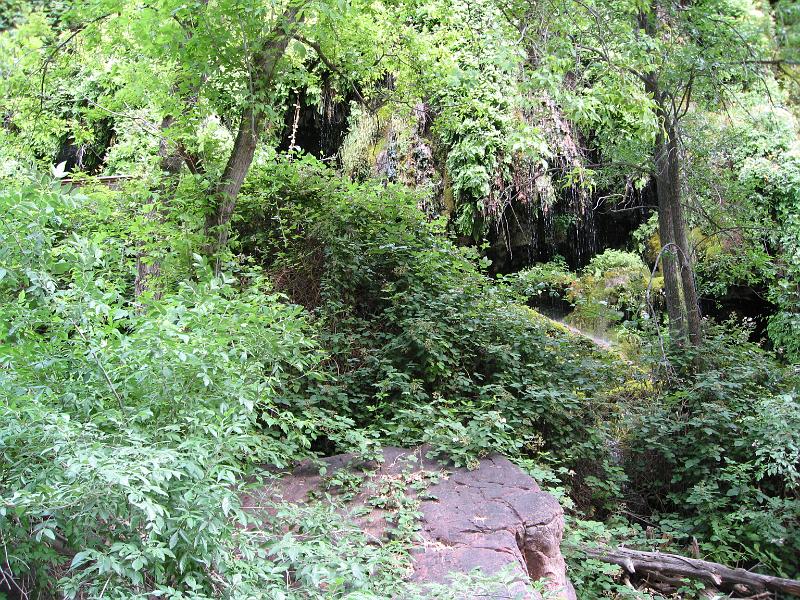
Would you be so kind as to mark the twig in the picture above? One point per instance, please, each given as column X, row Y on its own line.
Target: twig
column 99, row 363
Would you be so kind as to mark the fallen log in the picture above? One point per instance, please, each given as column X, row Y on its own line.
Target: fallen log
column 638, row 562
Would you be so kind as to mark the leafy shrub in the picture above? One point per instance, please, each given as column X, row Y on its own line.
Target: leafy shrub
column 127, row 432
column 732, row 478
column 611, row 288
column 611, row 260
column 425, row 348
column 543, row 281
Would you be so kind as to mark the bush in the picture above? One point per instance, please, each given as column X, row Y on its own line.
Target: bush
column 127, row 432
column 424, row 346
column 611, row 260
column 612, row 288
column 727, row 439
column 543, row 282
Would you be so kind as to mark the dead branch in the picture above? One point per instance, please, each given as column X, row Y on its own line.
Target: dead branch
column 662, row 564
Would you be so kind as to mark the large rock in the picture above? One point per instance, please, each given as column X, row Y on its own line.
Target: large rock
column 493, row 518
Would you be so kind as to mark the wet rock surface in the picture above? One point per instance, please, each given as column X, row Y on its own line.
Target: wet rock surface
column 494, row 518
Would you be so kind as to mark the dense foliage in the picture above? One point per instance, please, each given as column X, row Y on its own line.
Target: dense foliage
column 187, row 307
column 732, row 481
column 425, row 348
column 127, row 430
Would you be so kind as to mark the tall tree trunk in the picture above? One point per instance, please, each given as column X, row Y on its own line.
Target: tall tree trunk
column 683, row 308
column 230, row 184
column 666, row 234
column 251, row 125
column 684, row 258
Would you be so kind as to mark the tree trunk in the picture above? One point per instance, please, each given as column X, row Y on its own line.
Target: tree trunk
column 684, row 258
column 683, row 308
column 148, row 267
column 172, row 159
column 251, row 125
column 230, row 184
column 666, row 233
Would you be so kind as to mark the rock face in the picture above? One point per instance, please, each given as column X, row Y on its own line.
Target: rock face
column 493, row 518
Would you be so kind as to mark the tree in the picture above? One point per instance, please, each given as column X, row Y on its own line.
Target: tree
column 237, row 60
column 629, row 72
column 683, row 305
column 262, row 74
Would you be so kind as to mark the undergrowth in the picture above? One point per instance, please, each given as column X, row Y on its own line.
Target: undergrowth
column 424, row 347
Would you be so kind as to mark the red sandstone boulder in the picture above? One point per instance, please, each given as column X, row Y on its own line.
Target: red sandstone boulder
column 494, row 518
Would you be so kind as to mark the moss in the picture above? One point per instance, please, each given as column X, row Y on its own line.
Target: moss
column 611, row 289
